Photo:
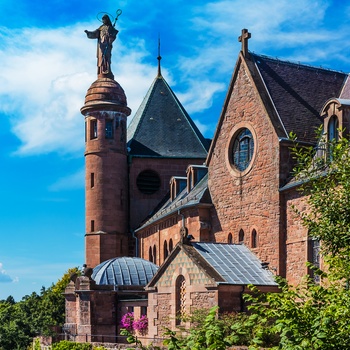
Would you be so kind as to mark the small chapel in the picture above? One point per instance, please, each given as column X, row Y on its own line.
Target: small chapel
column 176, row 222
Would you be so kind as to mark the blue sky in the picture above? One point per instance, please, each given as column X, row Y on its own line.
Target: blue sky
column 47, row 64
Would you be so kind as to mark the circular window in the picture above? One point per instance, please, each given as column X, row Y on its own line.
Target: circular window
column 242, row 149
column 148, row 182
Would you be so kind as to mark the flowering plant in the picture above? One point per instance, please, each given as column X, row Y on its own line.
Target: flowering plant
column 127, row 321
column 141, row 325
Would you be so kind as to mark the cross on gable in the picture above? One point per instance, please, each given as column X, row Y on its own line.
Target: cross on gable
column 244, row 40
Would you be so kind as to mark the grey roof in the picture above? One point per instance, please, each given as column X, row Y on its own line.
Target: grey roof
column 297, row 93
column 199, row 194
column 235, row 263
column 162, row 128
column 124, row 271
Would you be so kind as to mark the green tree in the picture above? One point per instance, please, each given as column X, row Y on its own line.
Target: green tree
column 34, row 314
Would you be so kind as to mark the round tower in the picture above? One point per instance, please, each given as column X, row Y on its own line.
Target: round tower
column 106, row 175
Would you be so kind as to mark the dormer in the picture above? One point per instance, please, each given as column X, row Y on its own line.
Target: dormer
column 336, row 118
column 194, row 174
column 177, row 184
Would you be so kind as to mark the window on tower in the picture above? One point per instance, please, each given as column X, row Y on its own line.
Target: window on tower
column 93, row 129
column 109, row 129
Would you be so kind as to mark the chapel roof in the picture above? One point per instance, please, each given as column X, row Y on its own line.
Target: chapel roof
column 161, row 127
column 124, row 271
column 235, row 263
column 231, row 264
column 297, row 93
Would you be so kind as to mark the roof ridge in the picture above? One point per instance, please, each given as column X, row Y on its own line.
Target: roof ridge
column 297, row 63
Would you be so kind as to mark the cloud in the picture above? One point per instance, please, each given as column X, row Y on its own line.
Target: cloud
column 4, row 277
column 73, row 181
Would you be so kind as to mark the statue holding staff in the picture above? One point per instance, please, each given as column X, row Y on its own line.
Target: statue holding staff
column 105, row 36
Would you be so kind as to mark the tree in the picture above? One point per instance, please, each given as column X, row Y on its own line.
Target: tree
column 34, row 314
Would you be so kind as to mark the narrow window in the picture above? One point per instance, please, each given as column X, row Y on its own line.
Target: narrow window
column 93, row 129
column 150, row 255
column 109, row 129
column 241, row 236
column 166, row 252
column 333, row 127
column 154, row 254
column 254, row 239
column 229, row 238
column 170, row 245
column 180, row 299
column 92, row 225
column 314, row 257
column 92, row 180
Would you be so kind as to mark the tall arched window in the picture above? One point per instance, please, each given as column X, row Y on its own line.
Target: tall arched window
column 229, row 238
column 314, row 257
column 333, row 126
column 254, row 239
column 241, row 236
column 165, row 249
column 150, row 254
column 180, row 299
column 154, row 254
column 170, row 245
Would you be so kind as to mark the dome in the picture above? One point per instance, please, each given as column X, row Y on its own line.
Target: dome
column 124, row 271
column 105, row 94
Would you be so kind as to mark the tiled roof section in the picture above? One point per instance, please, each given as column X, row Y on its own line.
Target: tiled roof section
column 124, row 271
column 298, row 93
column 162, row 128
column 346, row 89
column 199, row 194
column 235, row 263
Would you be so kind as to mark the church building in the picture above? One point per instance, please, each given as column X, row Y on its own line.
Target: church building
column 175, row 222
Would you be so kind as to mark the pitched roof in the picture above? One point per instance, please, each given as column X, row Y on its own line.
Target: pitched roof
column 162, row 128
column 225, row 263
column 292, row 94
column 198, row 195
column 235, row 263
column 298, row 93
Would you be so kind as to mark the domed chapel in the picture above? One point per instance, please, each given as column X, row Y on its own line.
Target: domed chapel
column 176, row 222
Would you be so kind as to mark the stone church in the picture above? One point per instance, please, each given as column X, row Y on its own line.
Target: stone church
column 176, row 222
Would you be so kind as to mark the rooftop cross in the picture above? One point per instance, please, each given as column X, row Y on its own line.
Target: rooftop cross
column 244, row 40
column 159, row 58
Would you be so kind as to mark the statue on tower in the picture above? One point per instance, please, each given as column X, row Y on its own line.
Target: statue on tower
column 105, row 36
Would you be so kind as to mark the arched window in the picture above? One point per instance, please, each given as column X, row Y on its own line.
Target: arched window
column 154, row 254
column 170, row 245
column 165, row 249
column 333, row 126
column 254, row 239
column 243, row 149
column 150, row 254
column 241, row 236
column 314, row 257
column 229, row 238
column 180, row 299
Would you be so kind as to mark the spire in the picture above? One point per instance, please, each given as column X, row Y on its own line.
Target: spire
column 159, row 58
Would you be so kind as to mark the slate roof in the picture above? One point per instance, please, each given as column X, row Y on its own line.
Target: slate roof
column 124, row 271
column 162, row 128
column 235, row 263
column 298, row 92
column 198, row 195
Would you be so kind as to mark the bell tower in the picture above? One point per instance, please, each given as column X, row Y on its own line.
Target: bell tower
column 106, row 173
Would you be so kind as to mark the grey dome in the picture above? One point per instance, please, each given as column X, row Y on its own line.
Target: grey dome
column 124, row 271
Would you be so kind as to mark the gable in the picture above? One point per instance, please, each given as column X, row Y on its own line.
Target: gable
column 181, row 263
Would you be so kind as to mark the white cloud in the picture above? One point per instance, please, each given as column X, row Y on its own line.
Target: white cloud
column 73, row 181
column 4, row 277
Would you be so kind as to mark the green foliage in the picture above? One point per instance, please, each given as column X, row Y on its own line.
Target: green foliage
column 69, row 345
column 34, row 314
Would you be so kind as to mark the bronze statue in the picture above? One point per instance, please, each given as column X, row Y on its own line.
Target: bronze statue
column 105, row 34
